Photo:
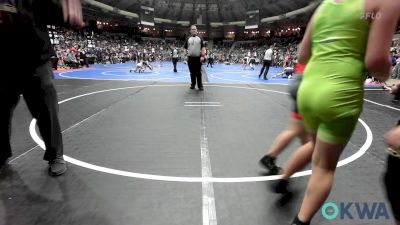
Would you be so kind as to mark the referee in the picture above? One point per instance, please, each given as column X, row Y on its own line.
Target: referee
column 195, row 52
column 175, row 57
column 266, row 62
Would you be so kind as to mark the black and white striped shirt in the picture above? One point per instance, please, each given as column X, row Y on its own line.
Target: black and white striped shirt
column 194, row 45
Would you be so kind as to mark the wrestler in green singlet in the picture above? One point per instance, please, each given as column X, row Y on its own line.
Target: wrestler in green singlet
column 330, row 97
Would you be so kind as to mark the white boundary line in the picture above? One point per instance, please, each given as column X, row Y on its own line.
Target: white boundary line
column 130, row 66
column 208, row 198
column 346, row 161
column 240, row 81
column 108, row 66
column 135, row 79
column 387, row 106
column 374, row 89
column 130, row 74
column 202, row 102
column 203, row 105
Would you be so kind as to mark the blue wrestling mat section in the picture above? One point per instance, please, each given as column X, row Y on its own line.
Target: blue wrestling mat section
column 219, row 74
column 122, row 72
column 235, row 74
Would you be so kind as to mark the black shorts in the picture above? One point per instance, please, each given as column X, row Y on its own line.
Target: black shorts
column 293, row 88
column 392, row 183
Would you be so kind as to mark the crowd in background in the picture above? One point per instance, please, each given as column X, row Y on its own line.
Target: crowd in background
column 79, row 49
column 75, row 49
column 284, row 51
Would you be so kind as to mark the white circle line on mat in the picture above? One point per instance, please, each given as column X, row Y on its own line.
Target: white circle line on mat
column 77, row 162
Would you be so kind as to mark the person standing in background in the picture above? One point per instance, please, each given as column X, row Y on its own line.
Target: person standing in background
column 266, row 62
column 210, row 59
column 175, row 57
column 195, row 52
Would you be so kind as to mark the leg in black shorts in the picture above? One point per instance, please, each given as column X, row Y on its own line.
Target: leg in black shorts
column 392, row 183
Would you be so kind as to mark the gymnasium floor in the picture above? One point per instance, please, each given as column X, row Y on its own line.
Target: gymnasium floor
column 144, row 149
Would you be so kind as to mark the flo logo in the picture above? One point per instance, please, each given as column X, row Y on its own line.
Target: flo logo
column 371, row 16
column 355, row 210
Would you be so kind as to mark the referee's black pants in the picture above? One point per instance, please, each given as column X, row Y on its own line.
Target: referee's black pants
column 37, row 88
column 195, row 71
column 174, row 62
column 265, row 68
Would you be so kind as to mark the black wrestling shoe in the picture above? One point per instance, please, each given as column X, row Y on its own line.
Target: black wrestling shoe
column 296, row 221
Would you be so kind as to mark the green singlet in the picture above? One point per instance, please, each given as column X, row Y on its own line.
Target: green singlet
column 330, row 98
